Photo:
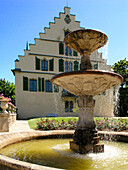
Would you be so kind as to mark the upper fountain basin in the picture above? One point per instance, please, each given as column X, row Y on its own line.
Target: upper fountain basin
column 89, row 82
column 85, row 40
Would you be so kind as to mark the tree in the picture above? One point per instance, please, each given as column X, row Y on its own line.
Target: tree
column 8, row 89
column 122, row 68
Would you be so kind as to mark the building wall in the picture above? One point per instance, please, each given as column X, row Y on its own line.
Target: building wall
column 40, row 103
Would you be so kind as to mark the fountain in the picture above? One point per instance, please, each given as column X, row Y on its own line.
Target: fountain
column 86, row 83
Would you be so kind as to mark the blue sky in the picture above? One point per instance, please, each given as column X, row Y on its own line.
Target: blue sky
column 22, row 20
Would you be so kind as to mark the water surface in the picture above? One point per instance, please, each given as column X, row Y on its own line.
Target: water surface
column 56, row 153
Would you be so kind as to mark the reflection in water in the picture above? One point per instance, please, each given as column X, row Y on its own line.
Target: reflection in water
column 56, row 153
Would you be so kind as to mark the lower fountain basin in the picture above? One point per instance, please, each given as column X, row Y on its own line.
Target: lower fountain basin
column 89, row 82
column 11, row 138
column 56, row 153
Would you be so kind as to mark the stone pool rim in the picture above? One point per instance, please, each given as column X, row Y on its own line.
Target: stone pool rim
column 15, row 137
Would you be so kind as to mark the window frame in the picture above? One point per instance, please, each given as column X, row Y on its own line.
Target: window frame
column 32, row 87
column 48, row 86
column 44, row 65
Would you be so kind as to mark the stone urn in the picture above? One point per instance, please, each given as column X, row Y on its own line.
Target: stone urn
column 4, row 103
column 4, row 106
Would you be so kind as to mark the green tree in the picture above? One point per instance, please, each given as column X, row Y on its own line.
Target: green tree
column 122, row 68
column 8, row 89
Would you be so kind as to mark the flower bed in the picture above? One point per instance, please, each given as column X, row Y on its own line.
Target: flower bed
column 54, row 124
column 111, row 124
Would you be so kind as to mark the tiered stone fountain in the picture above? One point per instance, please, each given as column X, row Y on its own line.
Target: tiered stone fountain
column 86, row 83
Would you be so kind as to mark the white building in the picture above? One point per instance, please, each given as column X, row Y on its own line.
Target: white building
column 36, row 96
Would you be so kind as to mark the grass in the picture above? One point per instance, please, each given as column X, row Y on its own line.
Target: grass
column 33, row 122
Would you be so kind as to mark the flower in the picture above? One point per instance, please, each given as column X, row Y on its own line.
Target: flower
column 4, row 98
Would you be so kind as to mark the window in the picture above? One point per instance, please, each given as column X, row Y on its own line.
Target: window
column 96, row 66
column 68, row 106
column 70, row 66
column 66, row 66
column 61, row 65
column 33, row 85
column 75, row 53
column 48, row 86
column 70, row 52
column 63, row 49
column 66, row 50
column 25, row 83
column 44, row 65
column 56, row 88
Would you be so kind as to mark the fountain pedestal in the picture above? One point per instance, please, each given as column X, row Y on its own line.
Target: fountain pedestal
column 86, row 138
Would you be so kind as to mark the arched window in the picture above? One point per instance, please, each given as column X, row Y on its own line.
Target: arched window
column 44, row 65
column 70, row 66
column 66, row 66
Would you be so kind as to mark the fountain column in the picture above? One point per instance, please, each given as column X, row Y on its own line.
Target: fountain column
column 85, row 61
column 86, row 138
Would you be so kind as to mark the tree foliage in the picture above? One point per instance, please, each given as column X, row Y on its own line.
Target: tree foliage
column 8, row 89
column 122, row 68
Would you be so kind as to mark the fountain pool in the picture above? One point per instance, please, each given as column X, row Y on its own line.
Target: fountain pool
column 56, row 153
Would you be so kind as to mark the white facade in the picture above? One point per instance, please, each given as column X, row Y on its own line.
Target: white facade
column 35, row 95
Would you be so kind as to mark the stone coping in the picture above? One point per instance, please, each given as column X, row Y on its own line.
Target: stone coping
column 14, row 137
